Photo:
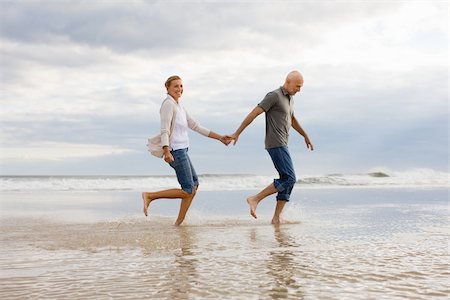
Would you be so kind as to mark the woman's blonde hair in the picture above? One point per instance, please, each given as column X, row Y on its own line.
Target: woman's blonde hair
column 170, row 79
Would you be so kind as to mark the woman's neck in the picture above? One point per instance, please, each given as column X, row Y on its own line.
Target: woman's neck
column 176, row 99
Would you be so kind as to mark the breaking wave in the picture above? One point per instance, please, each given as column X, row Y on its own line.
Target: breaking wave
column 213, row 182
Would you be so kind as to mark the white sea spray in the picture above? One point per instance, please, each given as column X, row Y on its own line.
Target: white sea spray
column 225, row 182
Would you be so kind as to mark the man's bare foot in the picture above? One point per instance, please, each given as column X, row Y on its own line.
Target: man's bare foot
column 146, row 199
column 252, row 202
column 276, row 221
column 178, row 223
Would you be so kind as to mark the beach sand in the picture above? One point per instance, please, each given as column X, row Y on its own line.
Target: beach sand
column 334, row 244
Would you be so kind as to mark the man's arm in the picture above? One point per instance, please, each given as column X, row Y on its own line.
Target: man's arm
column 247, row 121
column 299, row 129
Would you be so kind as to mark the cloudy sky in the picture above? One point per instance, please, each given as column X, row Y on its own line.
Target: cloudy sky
column 82, row 82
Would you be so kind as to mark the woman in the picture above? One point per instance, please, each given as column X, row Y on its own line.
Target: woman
column 175, row 122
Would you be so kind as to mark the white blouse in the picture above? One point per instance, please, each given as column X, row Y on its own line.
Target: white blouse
column 179, row 138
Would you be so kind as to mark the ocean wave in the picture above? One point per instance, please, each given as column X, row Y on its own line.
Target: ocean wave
column 212, row 182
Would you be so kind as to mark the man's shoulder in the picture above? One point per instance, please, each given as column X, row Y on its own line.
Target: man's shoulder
column 275, row 91
column 272, row 94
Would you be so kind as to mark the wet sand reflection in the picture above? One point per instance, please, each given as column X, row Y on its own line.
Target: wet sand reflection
column 282, row 266
column 184, row 274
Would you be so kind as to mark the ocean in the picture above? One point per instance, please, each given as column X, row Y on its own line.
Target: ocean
column 376, row 235
column 230, row 182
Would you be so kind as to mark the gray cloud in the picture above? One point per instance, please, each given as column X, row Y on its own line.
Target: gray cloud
column 172, row 26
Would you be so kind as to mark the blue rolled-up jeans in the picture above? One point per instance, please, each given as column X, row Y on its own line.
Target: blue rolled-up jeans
column 283, row 163
column 186, row 175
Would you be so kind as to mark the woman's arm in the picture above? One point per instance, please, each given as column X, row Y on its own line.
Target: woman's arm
column 166, row 113
column 194, row 125
column 219, row 137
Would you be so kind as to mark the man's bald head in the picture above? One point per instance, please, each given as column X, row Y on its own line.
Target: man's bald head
column 293, row 75
column 293, row 83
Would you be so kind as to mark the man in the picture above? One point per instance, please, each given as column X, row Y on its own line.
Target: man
column 279, row 108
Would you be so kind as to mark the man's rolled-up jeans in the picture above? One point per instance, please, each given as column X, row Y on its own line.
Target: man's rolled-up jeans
column 283, row 163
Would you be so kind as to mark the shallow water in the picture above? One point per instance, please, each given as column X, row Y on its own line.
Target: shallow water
column 335, row 244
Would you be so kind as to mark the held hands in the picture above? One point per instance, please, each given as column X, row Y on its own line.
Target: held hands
column 226, row 139
column 234, row 137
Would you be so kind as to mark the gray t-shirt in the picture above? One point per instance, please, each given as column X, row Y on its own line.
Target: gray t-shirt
column 279, row 108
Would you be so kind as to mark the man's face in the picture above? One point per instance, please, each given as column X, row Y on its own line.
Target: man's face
column 294, row 85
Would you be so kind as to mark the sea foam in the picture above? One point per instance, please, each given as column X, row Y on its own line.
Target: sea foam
column 212, row 182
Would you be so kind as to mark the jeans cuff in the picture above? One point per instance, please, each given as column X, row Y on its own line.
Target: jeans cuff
column 283, row 197
column 278, row 185
column 188, row 189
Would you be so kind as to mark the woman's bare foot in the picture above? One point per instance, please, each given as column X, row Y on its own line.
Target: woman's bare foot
column 146, row 199
column 252, row 202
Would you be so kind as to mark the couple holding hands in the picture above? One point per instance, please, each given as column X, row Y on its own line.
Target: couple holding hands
column 174, row 141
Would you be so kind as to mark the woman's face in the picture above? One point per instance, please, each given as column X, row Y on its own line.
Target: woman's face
column 175, row 89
